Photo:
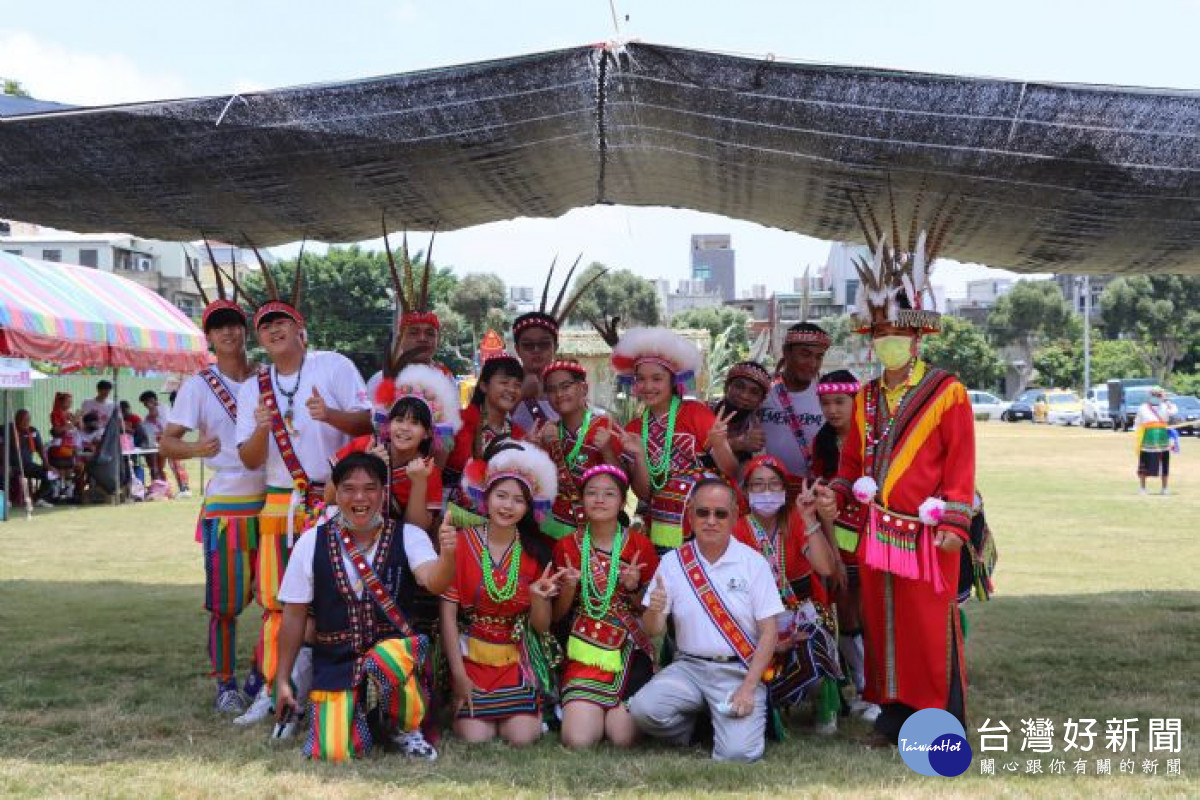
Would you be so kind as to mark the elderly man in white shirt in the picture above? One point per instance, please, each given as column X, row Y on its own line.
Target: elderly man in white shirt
column 722, row 597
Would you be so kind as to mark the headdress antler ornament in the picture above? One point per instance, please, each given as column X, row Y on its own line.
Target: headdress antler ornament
column 552, row 318
column 222, row 303
column 894, row 283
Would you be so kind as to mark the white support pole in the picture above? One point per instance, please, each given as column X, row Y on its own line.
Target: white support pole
column 1087, row 333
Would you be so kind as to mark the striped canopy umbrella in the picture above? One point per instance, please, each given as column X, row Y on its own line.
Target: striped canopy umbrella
column 63, row 313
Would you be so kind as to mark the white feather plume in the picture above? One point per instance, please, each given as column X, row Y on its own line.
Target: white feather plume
column 430, row 383
column 532, row 466
column 656, row 343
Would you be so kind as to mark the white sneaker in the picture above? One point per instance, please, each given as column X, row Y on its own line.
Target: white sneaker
column 414, row 745
column 871, row 713
column 260, row 709
column 826, row 728
column 287, row 729
column 1142, row 490
column 43, row 503
column 185, row 493
column 1165, row 491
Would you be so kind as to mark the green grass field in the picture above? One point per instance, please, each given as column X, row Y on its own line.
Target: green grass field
column 103, row 689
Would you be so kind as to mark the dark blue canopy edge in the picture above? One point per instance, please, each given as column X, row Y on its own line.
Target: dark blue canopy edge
column 1046, row 177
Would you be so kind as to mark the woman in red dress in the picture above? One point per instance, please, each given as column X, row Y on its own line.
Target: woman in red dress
column 497, row 613
column 609, row 655
column 489, row 414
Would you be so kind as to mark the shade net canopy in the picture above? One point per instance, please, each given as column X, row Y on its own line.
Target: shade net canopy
column 1040, row 177
column 68, row 314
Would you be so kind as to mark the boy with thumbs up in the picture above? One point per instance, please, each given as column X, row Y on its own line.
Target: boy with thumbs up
column 293, row 415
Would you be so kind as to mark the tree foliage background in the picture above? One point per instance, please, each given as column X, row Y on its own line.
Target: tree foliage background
column 620, row 293
column 963, row 349
column 721, row 320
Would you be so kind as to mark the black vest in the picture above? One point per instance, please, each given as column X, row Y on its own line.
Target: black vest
column 348, row 626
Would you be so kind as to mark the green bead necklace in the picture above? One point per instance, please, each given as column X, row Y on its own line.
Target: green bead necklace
column 574, row 458
column 509, row 591
column 660, row 471
column 597, row 608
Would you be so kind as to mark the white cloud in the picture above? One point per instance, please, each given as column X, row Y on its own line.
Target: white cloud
column 49, row 71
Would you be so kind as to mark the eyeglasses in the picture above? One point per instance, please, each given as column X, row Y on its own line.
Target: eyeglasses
column 718, row 513
column 536, row 344
column 773, row 486
column 560, row 387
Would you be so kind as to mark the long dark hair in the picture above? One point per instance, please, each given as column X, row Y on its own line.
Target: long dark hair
column 528, row 530
column 413, row 408
column 504, row 366
column 825, row 445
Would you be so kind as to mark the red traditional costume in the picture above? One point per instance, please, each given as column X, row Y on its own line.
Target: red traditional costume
column 609, row 655
column 910, row 458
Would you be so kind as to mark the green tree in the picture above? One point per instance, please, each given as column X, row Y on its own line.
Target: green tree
column 1159, row 312
column 1059, row 364
column 719, row 320
column 347, row 299
column 1186, row 383
column 475, row 296
column 12, row 88
column 1117, row 358
column 620, row 293
column 963, row 349
column 1032, row 314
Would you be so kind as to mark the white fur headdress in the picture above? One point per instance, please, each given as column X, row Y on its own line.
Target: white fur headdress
column 521, row 461
column 430, row 386
column 656, row 346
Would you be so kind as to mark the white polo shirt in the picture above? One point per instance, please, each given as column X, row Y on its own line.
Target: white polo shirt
column 339, row 383
column 743, row 579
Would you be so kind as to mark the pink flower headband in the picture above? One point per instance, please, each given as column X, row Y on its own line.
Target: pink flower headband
column 838, row 388
column 605, row 469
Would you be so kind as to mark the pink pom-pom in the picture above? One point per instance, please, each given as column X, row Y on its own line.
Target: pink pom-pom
column 932, row 511
column 864, row 489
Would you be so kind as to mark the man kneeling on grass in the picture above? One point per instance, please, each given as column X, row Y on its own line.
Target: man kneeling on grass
column 722, row 597
column 357, row 573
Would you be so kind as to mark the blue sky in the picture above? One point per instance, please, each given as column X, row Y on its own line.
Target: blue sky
column 92, row 53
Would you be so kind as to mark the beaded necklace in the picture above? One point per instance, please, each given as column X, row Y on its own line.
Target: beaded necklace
column 660, row 471
column 873, row 440
column 289, row 396
column 574, row 459
column 509, row 590
column 593, row 607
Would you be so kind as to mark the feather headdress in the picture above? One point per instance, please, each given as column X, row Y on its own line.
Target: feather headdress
column 274, row 302
column 412, row 304
column 431, row 387
column 894, row 284
column 656, row 346
column 223, row 302
column 523, row 462
column 551, row 318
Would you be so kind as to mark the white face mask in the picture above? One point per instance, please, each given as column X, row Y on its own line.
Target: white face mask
column 767, row 502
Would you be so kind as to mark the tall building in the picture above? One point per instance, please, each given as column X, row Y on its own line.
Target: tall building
column 713, row 263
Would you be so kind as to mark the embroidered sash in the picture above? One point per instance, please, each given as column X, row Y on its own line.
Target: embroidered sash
column 767, row 547
column 374, row 586
column 227, row 400
column 793, row 421
column 279, row 431
column 714, row 604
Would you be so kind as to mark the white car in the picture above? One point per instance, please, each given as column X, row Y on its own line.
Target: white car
column 1095, row 407
column 986, row 405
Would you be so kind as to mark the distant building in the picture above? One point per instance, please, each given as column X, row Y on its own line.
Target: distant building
column 1072, row 289
column 982, row 294
column 688, row 294
column 521, row 299
column 713, row 263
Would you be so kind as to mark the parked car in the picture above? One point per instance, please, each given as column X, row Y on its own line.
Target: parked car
column 1187, row 409
column 1095, row 407
column 1063, row 408
column 1122, row 407
column 1133, row 398
column 986, row 405
column 1022, row 407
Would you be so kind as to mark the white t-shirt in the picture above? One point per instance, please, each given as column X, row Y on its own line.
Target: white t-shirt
column 102, row 410
column 339, row 383
column 523, row 417
column 743, row 579
column 781, row 441
column 198, row 409
column 297, row 584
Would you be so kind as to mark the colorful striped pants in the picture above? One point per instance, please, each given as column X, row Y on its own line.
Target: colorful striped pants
column 338, row 729
column 228, row 531
column 273, row 553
